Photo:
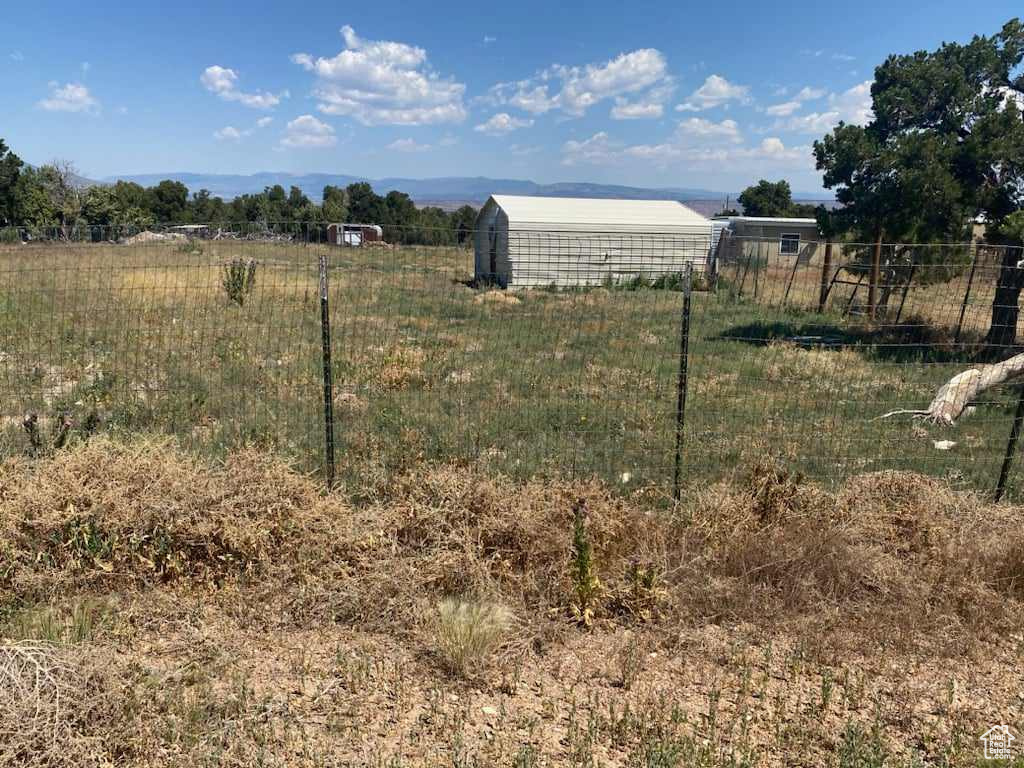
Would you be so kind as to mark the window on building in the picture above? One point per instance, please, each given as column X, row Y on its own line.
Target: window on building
column 789, row 245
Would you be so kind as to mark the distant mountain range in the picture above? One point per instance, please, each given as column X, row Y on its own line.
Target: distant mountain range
column 449, row 191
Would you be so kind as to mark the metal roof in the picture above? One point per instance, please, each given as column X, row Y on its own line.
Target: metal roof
column 770, row 220
column 653, row 215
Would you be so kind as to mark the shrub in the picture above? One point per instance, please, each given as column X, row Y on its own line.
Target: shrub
column 191, row 247
column 239, row 279
column 466, row 632
column 39, row 444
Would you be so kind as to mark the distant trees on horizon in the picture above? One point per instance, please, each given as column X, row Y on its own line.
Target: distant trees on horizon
column 52, row 196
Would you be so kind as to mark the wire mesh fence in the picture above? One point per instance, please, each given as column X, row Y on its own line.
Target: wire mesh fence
column 215, row 336
column 843, row 346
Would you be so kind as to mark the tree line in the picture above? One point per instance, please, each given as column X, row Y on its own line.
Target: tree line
column 53, row 197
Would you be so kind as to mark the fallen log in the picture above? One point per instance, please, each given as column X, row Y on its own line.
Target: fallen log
column 958, row 393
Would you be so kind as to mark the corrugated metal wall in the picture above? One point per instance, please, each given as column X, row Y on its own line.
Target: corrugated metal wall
column 566, row 259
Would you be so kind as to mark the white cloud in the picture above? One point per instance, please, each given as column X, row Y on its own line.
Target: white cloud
column 599, row 149
column 379, row 82
column 448, row 140
column 692, row 138
column 488, row 39
column 854, row 105
column 636, row 110
column 850, row 106
column 70, row 97
column 224, row 82
column 650, row 105
column 773, row 147
column 530, row 98
column 810, row 94
column 582, row 87
column 17, row 56
column 228, row 133
column 407, row 145
column 701, row 130
column 574, row 89
column 814, row 122
column 715, row 92
column 787, row 108
column 693, row 146
column 503, row 123
column 843, row 57
column 308, row 132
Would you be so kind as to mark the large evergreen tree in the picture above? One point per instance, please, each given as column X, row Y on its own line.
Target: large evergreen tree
column 946, row 144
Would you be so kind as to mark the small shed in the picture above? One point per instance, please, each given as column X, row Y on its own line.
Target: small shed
column 772, row 237
column 354, row 235
column 542, row 241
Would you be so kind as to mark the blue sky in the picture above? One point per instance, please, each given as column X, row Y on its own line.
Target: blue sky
column 665, row 93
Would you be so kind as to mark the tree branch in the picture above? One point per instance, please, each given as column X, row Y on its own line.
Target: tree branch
column 955, row 395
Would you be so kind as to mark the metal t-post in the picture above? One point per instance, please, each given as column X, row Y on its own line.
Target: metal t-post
column 325, row 337
column 1011, row 447
column 967, row 296
column 684, row 352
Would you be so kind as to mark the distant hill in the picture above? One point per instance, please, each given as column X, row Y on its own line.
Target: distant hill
column 445, row 190
column 448, row 192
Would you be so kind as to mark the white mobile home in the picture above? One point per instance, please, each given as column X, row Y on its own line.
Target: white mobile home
column 542, row 241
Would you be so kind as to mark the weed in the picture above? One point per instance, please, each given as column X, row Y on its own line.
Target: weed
column 238, row 279
column 827, row 686
column 586, row 587
column 630, row 661
column 526, row 757
column 466, row 632
column 642, row 595
column 58, row 625
column 40, row 445
column 659, row 751
column 860, row 748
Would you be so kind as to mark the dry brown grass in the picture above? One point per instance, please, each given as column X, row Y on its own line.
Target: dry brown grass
column 113, row 514
column 497, row 298
column 52, row 701
column 466, row 632
column 890, row 553
column 399, row 367
column 261, row 620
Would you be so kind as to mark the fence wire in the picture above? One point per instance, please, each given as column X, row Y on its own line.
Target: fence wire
column 804, row 360
column 213, row 335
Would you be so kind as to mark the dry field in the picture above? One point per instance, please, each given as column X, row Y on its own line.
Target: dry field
column 143, row 339
column 161, row 610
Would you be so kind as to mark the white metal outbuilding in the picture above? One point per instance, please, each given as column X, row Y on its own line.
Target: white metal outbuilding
column 564, row 241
